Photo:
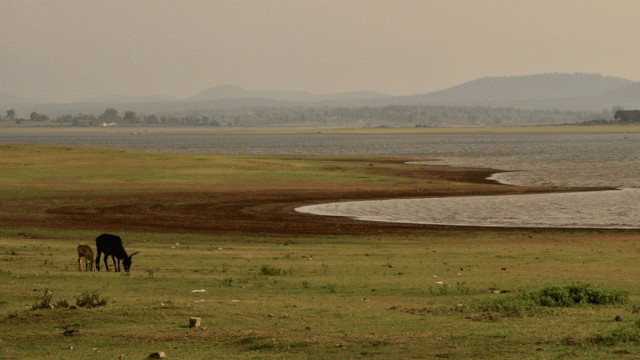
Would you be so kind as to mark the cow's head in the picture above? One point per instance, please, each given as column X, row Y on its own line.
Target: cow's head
column 127, row 261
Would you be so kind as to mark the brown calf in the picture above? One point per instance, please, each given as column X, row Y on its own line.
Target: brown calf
column 84, row 251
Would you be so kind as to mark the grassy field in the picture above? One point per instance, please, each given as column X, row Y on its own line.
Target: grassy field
column 431, row 292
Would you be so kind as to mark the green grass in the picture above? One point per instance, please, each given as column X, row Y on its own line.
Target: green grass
column 428, row 294
column 29, row 169
column 342, row 297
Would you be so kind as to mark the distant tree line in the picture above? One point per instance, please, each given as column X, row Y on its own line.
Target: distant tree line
column 620, row 117
column 111, row 116
column 627, row 116
column 394, row 115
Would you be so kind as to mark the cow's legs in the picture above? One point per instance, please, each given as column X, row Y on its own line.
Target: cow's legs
column 98, row 262
column 116, row 266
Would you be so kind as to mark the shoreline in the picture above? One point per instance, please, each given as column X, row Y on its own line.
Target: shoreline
column 508, row 211
column 551, row 210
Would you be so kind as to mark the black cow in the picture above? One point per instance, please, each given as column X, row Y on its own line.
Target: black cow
column 111, row 245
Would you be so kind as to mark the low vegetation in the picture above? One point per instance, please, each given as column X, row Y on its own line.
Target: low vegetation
column 435, row 294
column 431, row 292
column 306, row 116
column 553, row 297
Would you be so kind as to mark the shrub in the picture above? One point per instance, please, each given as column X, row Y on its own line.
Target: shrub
column 271, row 271
column 12, row 315
column 46, row 301
column 62, row 304
column 330, row 287
column 442, row 290
column 617, row 336
column 89, row 300
column 576, row 294
column 462, row 289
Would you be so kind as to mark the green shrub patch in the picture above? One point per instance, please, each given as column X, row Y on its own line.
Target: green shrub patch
column 538, row 301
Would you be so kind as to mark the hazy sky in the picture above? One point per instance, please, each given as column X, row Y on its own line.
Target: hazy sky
column 72, row 50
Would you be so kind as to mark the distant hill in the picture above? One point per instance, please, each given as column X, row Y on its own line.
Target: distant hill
column 626, row 96
column 11, row 99
column 521, row 91
column 222, row 92
column 589, row 92
column 123, row 99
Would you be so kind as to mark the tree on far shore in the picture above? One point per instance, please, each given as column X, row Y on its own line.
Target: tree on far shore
column 110, row 115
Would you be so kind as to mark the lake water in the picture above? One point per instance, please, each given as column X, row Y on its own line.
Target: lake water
column 615, row 209
column 609, row 160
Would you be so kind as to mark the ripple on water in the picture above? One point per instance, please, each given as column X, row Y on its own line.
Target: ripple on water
column 596, row 209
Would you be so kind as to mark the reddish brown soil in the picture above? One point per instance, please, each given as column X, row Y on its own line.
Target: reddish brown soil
column 247, row 211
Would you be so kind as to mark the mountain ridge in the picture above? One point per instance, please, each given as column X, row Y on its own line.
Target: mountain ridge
column 224, row 92
column 522, row 88
column 125, row 99
column 578, row 91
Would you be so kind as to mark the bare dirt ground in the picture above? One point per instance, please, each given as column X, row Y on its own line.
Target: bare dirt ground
column 249, row 211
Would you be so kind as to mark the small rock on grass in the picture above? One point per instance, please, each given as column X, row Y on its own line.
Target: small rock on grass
column 158, row 355
column 195, row 322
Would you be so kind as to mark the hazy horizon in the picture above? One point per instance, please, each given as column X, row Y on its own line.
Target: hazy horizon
column 65, row 51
